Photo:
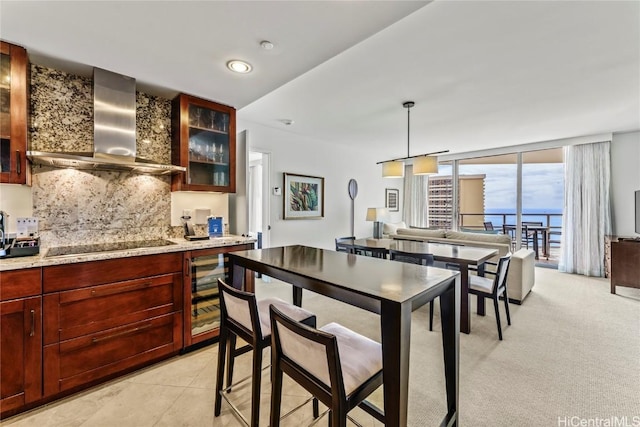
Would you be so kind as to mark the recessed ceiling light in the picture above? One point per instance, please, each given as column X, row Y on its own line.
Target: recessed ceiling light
column 239, row 66
column 266, row 45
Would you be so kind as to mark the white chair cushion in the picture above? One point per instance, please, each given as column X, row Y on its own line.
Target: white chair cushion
column 360, row 357
column 310, row 355
column 238, row 310
column 482, row 284
column 296, row 313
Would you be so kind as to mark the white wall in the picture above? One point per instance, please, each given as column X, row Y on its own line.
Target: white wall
column 625, row 179
column 337, row 164
column 16, row 200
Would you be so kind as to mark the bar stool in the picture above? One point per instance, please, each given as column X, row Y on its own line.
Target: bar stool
column 242, row 316
column 339, row 367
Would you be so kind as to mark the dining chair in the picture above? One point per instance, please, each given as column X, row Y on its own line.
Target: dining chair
column 338, row 366
column 531, row 235
column 488, row 225
column 340, row 247
column 244, row 317
column 510, row 230
column 415, row 258
column 485, row 287
column 369, row 251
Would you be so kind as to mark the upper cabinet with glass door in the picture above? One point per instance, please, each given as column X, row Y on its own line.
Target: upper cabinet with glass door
column 204, row 141
column 13, row 114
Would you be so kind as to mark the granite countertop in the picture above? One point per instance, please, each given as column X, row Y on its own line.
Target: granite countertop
column 180, row 245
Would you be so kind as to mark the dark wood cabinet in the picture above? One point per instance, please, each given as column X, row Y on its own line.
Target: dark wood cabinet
column 20, row 339
column 201, row 310
column 114, row 316
column 625, row 264
column 70, row 326
column 203, row 141
column 14, row 88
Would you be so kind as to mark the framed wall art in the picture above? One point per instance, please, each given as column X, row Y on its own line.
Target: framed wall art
column 303, row 196
column 392, row 199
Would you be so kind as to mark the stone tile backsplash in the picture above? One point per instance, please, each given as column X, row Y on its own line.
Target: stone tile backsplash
column 76, row 207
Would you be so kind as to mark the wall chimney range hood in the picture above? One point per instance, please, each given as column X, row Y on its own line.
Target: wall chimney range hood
column 114, row 132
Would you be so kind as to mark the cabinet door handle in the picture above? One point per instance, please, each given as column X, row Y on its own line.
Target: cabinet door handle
column 33, row 323
column 95, row 340
column 111, row 291
column 19, row 163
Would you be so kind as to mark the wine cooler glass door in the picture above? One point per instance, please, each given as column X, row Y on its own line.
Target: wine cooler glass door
column 205, row 300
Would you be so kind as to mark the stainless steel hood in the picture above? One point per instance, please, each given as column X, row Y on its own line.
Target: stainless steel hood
column 114, row 132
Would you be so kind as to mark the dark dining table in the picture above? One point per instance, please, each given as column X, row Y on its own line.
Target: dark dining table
column 391, row 289
column 462, row 256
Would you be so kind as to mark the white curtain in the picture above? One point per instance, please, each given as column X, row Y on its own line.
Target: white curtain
column 415, row 199
column 587, row 215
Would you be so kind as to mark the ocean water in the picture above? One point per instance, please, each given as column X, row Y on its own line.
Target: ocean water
column 533, row 215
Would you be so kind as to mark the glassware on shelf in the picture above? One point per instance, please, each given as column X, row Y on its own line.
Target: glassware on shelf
column 220, row 154
column 195, row 119
column 225, row 123
column 201, row 151
column 213, row 119
column 198, row 117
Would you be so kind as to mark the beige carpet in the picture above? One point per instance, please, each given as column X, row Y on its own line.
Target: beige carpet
column 571, row 356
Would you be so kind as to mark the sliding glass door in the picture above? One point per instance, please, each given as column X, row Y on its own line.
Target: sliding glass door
column 542, row 201
column 487, row 198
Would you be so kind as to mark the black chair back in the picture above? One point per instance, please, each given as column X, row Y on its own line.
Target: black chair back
column 500, row 282
column 372, row 252
column 410, row 257
column 343, row 248
column 488, row 225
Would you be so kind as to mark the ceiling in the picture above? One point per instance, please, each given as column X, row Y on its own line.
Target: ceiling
column 483, row 74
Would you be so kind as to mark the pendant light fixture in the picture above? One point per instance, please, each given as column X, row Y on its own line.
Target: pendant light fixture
column 423, row 164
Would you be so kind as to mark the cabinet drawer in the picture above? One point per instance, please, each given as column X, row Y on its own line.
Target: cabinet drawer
column 74, row 276
column 20, row 283
column 72, row 314
column 89, row 358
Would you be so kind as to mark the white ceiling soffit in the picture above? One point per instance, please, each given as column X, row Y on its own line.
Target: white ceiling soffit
column 483, row 74
column 183, row 46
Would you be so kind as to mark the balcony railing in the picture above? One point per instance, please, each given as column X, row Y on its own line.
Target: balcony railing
column 550, row 220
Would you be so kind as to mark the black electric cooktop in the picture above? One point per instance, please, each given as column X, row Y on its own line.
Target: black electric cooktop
column 106, row 247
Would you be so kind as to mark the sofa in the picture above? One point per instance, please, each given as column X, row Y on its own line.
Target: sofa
column 521, row 275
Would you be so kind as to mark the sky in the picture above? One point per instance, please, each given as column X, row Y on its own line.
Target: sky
column 542, row 185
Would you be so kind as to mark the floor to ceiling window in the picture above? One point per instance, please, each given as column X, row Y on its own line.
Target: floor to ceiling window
column 542, row 201
column 488, row 200
column 495, row 205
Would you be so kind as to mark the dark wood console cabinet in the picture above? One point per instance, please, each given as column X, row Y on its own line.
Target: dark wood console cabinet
column 625, row 264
